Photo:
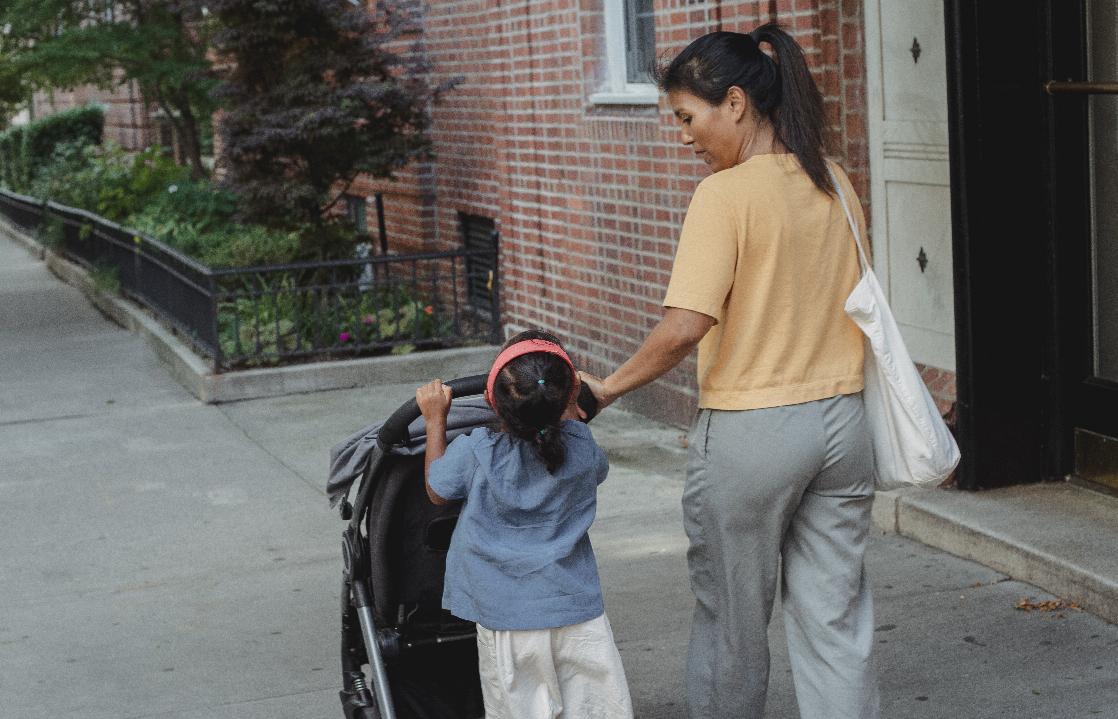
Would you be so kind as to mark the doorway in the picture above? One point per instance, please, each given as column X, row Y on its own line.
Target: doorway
column 1033, row 118
column 1084, row 109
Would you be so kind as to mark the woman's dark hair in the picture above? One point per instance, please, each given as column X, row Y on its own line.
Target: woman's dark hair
column 532, row 410
column 781, row 90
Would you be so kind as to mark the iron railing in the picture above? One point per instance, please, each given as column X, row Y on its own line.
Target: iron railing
column 254, row 316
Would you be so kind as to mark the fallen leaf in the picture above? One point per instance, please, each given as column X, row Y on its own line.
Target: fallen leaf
column 1049, row 605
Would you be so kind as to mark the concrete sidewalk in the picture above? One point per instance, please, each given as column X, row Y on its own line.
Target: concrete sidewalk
column 166, row 558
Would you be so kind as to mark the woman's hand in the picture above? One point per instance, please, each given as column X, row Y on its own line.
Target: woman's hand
column 598, row 387
column 433, row 399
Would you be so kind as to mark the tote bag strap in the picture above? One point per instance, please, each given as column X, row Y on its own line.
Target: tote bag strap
column 849, row 218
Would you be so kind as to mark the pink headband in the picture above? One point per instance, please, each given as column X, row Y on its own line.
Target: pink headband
column 519, row 349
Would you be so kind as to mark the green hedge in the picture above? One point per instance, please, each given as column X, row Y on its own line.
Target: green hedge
column 24, row 150
column 13, row 174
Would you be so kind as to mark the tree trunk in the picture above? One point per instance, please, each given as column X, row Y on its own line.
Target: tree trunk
column 186, row 127
column 190, row 137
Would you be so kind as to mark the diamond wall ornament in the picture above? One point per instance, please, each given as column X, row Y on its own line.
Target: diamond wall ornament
column 915, row 50
column 922, row 260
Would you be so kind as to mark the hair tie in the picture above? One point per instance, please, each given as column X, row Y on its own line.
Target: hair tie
column 540, row 381
column 543, row 431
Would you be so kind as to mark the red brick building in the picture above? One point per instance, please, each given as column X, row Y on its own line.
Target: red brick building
column 579, row 167
column 554, row 138
column 987, row 177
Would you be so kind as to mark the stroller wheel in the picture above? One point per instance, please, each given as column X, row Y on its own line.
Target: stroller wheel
column 357, row 701
column 354, row 710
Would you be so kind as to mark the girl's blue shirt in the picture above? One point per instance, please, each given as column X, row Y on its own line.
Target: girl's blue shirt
column 520, row 557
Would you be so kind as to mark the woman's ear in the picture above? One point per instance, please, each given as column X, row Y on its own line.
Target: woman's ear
column 737, row 102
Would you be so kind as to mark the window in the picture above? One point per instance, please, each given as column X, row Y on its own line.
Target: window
column 640, row 40
column 630, row 53
column 355, row 210
column 479, row 234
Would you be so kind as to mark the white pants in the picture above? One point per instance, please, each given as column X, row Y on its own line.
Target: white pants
column 570, row 672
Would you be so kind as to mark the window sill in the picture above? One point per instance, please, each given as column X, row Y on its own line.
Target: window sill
column 629, row 97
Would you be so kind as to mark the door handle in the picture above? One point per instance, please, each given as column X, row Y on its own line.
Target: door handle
column 1059, row 87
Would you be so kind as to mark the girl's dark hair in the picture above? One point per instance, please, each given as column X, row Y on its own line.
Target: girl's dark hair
column 782, row 91
column 531, row 410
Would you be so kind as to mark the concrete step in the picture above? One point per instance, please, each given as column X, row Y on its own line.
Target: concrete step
column 1057, row 536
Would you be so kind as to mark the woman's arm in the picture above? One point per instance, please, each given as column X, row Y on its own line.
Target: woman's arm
column 665, row 347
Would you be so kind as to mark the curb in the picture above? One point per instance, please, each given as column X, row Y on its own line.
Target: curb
column 197, row 376
column 934, row 517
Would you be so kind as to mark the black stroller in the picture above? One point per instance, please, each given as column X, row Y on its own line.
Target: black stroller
column 422, row 661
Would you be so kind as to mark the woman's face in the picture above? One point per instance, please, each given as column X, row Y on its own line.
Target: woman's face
column 716, row 133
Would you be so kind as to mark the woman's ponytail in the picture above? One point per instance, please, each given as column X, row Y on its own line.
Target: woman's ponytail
column 782, row 90
column 798, row 116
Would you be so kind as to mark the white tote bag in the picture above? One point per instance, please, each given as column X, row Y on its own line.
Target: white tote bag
column 911, row 443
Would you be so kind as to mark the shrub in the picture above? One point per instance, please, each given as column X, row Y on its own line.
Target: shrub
column 197, row 218
column 107, row 180
column 126, row 184
column 82, row 125
column 276, row 318
column 51, row 233
column 13, row 174
column 106, row 278
column 148, row 192
column 64, row 178
column 27, row 150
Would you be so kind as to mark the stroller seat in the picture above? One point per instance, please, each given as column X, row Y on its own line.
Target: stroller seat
column 422, row 660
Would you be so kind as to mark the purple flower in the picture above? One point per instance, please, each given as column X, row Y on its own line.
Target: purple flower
column 343, row 337
column 368, row 319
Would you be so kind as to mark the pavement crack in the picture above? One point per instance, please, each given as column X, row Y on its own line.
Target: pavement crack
column 42, row 420
column 305, row 480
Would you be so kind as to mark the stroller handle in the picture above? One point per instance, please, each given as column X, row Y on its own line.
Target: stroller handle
column 395, row 428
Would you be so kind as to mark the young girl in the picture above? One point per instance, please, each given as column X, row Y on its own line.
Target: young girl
column 520, row 563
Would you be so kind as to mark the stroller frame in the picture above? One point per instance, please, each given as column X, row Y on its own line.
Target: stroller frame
column 362, row 640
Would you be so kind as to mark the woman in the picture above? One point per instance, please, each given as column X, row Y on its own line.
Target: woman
column 780, row 476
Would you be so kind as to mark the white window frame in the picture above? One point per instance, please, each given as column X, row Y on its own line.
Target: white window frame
column 618, row 90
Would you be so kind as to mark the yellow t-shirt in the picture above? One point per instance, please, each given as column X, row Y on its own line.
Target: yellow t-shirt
column 771, row 258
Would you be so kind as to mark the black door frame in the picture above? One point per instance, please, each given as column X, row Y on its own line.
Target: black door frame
column 1001, row 235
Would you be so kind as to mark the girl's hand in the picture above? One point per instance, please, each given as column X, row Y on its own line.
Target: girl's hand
column 598, row 387
column 433, row 399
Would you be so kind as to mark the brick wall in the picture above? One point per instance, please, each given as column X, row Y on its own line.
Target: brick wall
column 589, row 199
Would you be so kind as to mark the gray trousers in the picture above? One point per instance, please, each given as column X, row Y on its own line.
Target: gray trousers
column 787, row 488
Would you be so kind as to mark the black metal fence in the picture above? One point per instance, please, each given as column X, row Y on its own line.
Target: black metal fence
column 255, row 316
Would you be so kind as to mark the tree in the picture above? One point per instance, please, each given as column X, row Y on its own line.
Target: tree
column 161, row 45
column 15, row 91
column 312, row 96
